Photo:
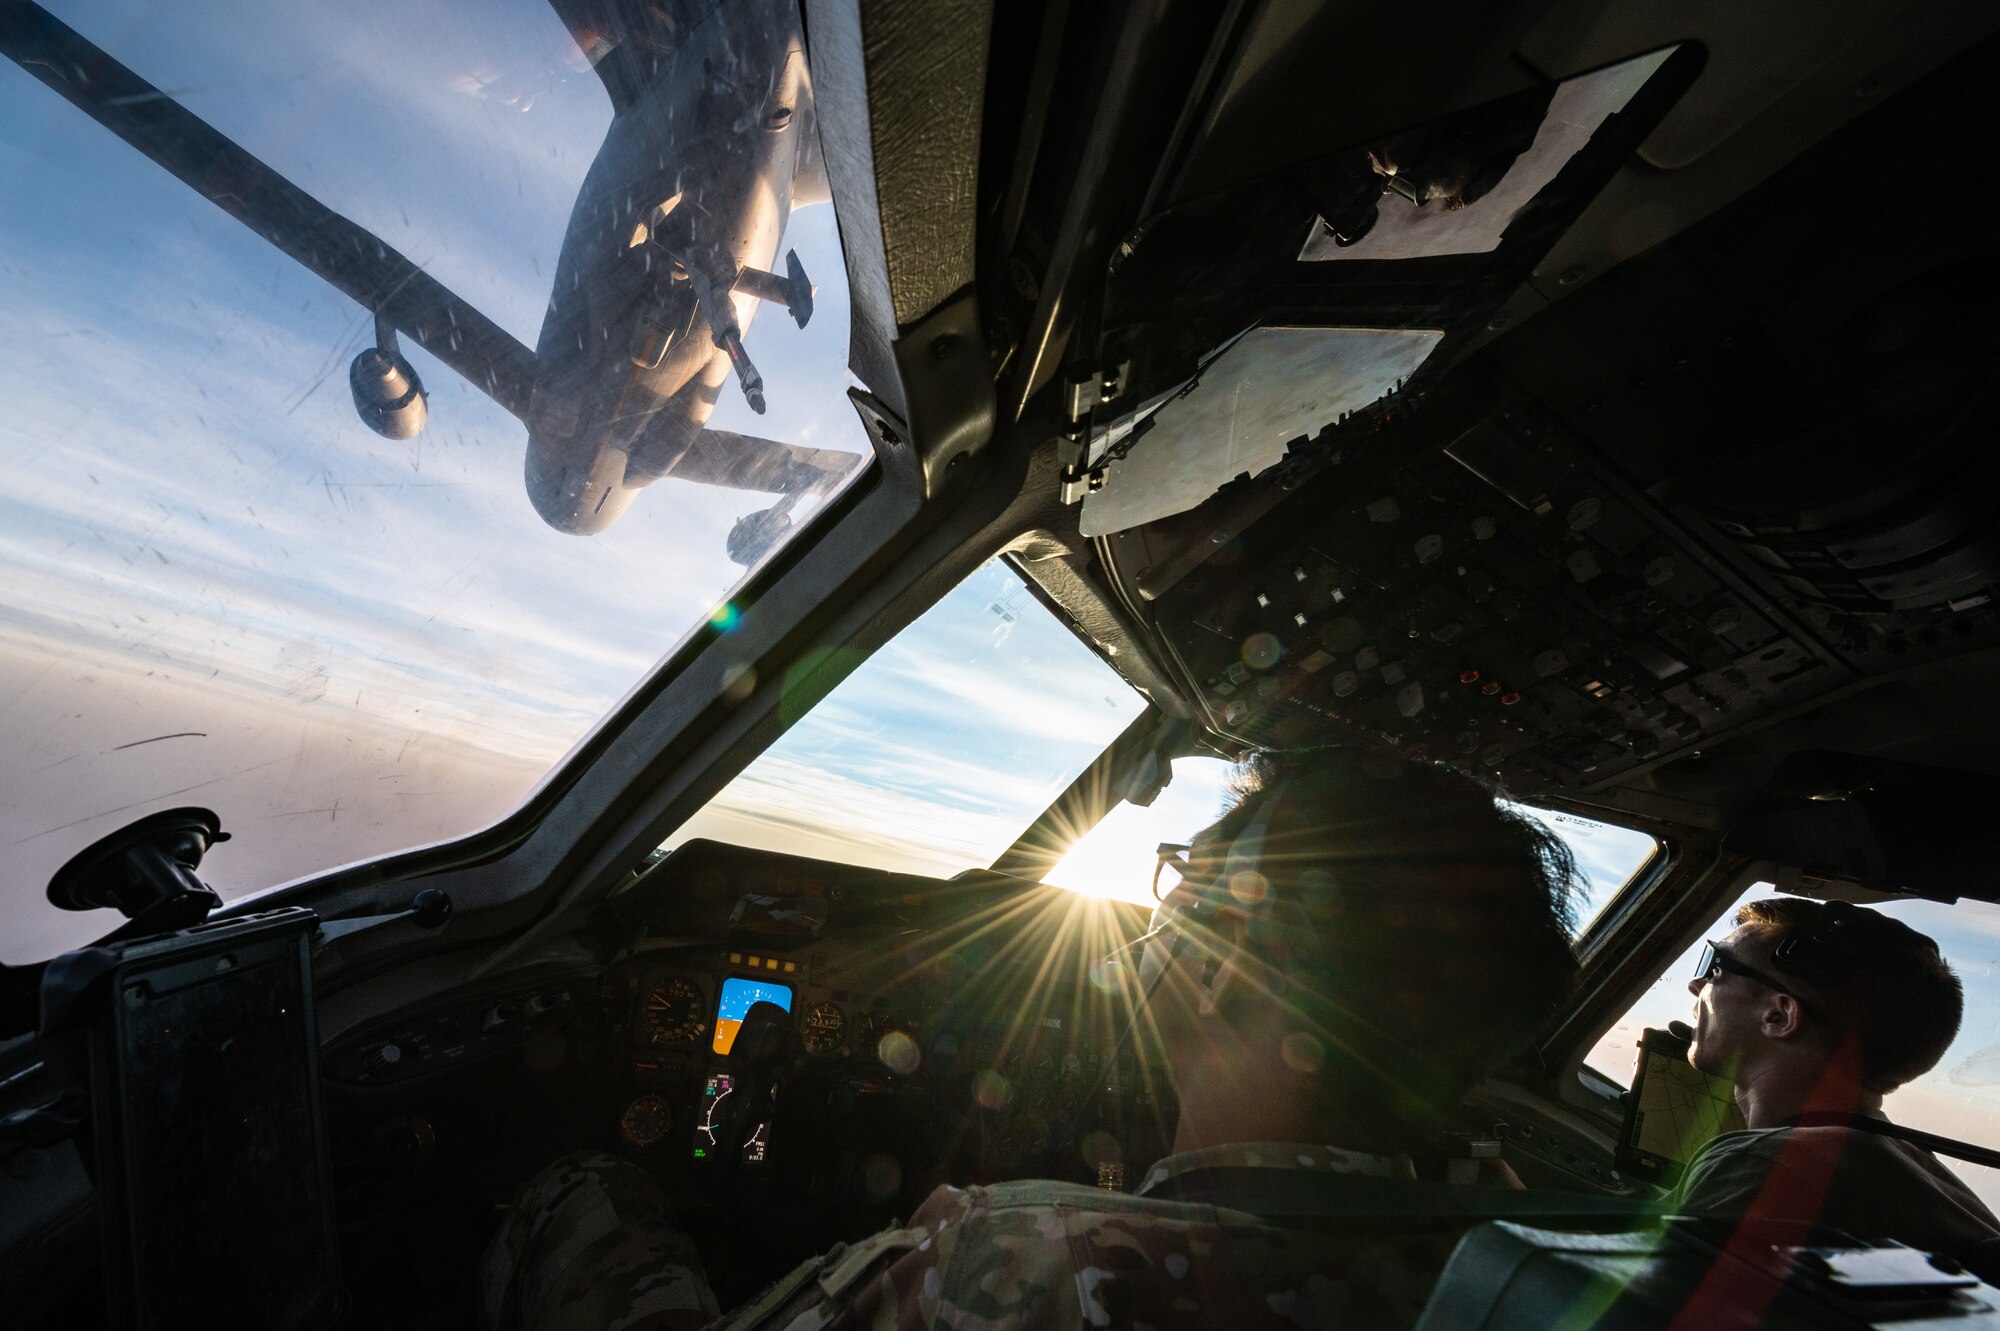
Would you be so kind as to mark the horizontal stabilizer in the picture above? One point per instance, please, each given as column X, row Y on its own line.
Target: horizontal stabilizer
column 745, row 462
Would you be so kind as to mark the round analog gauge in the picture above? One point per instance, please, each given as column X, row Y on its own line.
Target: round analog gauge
column 824, row 1026
column 646, row 1120
column 672, row 1014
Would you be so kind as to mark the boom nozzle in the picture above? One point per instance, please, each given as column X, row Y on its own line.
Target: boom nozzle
column 746, row 371
column 728, row 334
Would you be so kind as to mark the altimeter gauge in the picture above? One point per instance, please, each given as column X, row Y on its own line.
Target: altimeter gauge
column 823, row 1028
column 672, row 1012
column 646, row 1120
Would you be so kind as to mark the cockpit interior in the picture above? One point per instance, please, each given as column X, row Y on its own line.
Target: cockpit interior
column 758, row 777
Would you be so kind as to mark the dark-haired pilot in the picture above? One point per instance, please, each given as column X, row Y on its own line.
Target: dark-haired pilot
column 1340, row 957
column 1816, row 1011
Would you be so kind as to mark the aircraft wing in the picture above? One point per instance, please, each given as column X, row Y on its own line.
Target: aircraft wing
column 745, row 462
column 350, row 257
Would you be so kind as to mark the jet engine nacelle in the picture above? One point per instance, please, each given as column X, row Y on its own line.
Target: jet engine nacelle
column 387, row 393
column 755, row 533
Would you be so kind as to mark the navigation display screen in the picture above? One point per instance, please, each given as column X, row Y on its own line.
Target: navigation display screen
column 737, row 996
column 719, row 1088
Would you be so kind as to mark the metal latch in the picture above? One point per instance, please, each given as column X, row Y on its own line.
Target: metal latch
column 1086, row 393
column 1083, row 393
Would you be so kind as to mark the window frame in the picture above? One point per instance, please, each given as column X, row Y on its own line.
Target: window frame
column 1675, row 909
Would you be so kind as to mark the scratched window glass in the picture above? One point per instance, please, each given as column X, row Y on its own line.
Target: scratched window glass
column 389, row 385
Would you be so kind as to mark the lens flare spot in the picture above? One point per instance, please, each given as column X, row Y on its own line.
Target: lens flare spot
column 1261, row 651
column 1109, row 975
column 1248, row 886
column 899, row 1053
column 738, row 683
column 724, row 617
column 992, row 1089
column 881, row 1176
column 1302, row 1052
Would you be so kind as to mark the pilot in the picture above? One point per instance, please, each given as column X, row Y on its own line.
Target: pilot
column 1816, row 1011
column 1335, row 962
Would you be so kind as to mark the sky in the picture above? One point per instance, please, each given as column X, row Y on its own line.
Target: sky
column 940, row 749
column 358, row 645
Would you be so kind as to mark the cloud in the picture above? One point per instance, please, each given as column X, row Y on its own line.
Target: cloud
column 304, row 784
column 785, row 805
column 910, row 763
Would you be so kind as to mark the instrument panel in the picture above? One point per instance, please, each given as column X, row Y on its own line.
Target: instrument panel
column 823, row 1028
column 989, row 1050
column 931, row 1043
column 683, row 1007
column 674, row 1012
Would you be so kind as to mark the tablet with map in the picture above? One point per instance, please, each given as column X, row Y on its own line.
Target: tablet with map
column 1672, row 1111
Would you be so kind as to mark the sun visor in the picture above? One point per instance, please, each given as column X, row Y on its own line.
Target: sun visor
column 1270, row 386
column 1427, row 226
column 1361, row 276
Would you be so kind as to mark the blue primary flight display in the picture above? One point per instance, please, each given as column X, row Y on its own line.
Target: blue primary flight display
column 737, row 996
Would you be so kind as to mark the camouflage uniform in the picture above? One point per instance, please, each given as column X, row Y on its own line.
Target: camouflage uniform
column 1038, row 1254
column 588, row 1246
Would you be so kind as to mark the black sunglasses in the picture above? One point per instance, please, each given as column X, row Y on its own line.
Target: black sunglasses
column 1716, row 963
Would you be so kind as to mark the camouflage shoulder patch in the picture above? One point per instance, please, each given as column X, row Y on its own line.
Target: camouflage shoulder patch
column 589, row 1244
column 854, row 1263
column 782, row 1291
column 814, row 1293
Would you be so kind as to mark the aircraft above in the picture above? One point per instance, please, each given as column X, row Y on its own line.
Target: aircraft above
column 672, row 245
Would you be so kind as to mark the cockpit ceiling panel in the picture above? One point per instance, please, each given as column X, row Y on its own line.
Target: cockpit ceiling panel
column 1742, row 483
column 1506, row 178
column 1474, row 586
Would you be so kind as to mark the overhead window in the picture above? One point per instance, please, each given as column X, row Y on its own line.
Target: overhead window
column 1608, row 857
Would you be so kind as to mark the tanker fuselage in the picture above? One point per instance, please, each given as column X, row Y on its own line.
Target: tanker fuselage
column 694, row 183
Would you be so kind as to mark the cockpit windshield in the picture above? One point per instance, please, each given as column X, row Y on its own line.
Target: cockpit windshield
column 940, row 749
column 1116, row 858
column 389, row 387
